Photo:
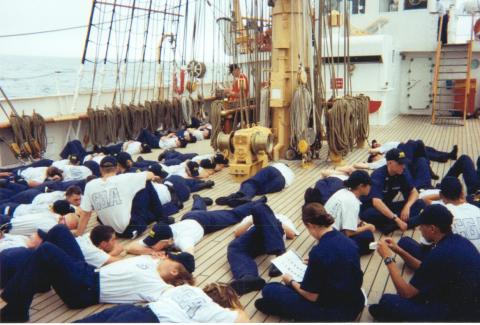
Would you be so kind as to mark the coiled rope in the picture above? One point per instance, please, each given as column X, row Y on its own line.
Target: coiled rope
column 216, row 121
column 300, row 113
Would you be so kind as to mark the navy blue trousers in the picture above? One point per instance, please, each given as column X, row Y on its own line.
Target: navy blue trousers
column 420, row 171
column 73, row 279
column 93, row 166
column 38, row 163
column 436, row 155
column 147, row 137
column 194, row 185
column 464, row 166
column 373, row 216
column 61, row 186
column 216, row 220
column 327, row 187
column 114, row 148
column 285, row 302
column 122, row 314
column 24, row 197
column 11, row 260
column 182, row 190
column 265, row 237
column 393, row 308
column 363, row 241
column 414, row 248
column 267, row 180
column 147, row 204
column 173, row 157
column 73, row 148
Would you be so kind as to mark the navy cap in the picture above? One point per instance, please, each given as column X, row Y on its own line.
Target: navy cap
column 186, row 259
column 193, row 168
column 123, row 158
column 451, row 188
column 435, row 214
column 358, row 177
column 207, row 164
column 62, row 207
column 108, row 161
column 157, row 170
column 160, row 231
column 398, row 156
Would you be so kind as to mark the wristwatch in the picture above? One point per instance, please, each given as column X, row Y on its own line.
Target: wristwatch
column 387, row 260
column 394, row 217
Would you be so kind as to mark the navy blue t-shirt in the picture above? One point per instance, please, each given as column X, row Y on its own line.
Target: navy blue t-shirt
column 334, row 271
column 386, row 187
column 450, row 274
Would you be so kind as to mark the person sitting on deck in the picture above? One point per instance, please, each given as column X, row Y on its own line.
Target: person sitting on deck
column 111, row 197
column 216, row 303
column 466, row 221
column 270, row 179
column 344, row 207
column 331, row 288
column 166, row 142
column 184, row 235
column 446, row 283
column 262, row 233
column 79, row 285
column 387, row 181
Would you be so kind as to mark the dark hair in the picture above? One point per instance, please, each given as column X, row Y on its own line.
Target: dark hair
column 100, row 234
column 444, row 228
column 209, row 133
column 91, row 177
column 108, row 169
column 370, row 157
column 183, row 142
column 183, row 277
column 233, row 67
column 54, row 171
column 223, row 294
column 193, row 139
column 315, row 214
column 146, row 148
column 73, row 189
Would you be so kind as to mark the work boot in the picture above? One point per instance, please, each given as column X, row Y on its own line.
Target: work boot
column 247, row 284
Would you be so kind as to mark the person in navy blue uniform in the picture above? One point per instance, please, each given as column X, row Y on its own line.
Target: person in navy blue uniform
column 331, row 287
column 446, row 284
column 464, row 166
column 323, row 189
column 387, row 181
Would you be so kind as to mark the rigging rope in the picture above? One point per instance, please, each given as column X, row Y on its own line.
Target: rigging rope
column 300, row 113
column 216, row 121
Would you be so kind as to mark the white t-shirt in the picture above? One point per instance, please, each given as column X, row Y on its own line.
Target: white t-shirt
column 280, row 217
column 29, row 223
column 132, row 147
column 466, row 221
column 424, row 193
column 199, row 158
column 287, row 173
column 131, row 280
column 75, row 173
column 377, row 164
column 24, row 209
column 340, row 177
column 48, row 198
column 12, row 241
column 162, row 192
column 61, row 163
column 168, row 143
column 186, row 234
column 34, row 174
column 387, row 146
column 198, row 134
column 344, row 207
column 97, row 158
column 187, row 304
column 112, row 198
column 93, row 255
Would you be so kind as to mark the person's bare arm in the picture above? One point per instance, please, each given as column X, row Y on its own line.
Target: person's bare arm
column 411, row 261
column 242, row 316
column 82, row 223
column 362, row 228
column 242, row 228
column 137, row 249
column 289, row 233
column 430, row 198
column 117, row 250
column 361, row 165
column 382, row 207
column 412, row 197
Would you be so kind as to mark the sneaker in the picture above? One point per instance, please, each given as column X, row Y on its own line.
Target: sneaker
column 247, row 284
column 274, row 271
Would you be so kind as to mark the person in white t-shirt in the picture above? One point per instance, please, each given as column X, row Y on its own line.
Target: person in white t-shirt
column 184, row 235
column 344, row 207
column 265, row 237
column 136, row 147
column 270, row 179
column 216, row 303
column 466, row 217
column 79, row 285
column 111, row 198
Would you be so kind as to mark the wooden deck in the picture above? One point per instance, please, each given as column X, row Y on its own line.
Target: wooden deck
column 211, row 262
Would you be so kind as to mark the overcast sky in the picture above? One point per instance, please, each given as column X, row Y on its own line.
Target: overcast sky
column 23, row 16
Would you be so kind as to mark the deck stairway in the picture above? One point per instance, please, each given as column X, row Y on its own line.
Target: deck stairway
column 452, row 81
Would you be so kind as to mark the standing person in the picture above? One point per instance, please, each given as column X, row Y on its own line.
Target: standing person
column 344, row 207
column 331, row 288
column 387, row 181
column 446, row 284
column 240, row 86
column 111, row 198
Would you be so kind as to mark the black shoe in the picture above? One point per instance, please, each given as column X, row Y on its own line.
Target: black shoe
column 454, row 153
column 161, row 156
column 140, row 159
column 386, row 229
column 247, row 284
column 263, row 199
column 433, row 175
column 208, row 201
column 235, row 202
column 274, row 271
column 205, row 185
column 223, row 200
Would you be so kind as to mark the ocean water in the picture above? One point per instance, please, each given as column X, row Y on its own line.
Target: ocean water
column 30, row 76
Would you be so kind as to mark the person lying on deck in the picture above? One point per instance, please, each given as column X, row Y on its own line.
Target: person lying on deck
column 464, row 166
column 270, row 179
column 446, row 283
column 331, row 288
column 184, row 235
column 165, row 142
column 79, row 285
column 262, row 233
column 216, row 303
